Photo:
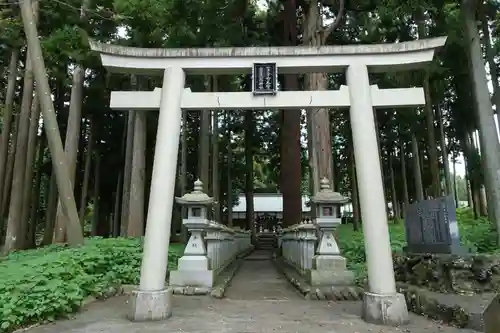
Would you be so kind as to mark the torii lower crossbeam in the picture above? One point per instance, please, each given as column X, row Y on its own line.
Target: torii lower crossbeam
column 381, row 98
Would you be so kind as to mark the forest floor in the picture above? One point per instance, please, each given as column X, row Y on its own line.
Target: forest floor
column 259, row 300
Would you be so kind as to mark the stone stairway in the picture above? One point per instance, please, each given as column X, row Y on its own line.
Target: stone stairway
column 267, row 241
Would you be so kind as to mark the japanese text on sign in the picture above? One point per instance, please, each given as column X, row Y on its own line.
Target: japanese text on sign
column 264, row 79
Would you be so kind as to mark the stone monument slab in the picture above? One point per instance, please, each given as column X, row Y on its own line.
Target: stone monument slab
column 431, row 227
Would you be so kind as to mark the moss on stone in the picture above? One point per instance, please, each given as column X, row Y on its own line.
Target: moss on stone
column 449, row 273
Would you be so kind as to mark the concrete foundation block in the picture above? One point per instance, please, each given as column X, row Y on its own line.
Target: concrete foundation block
column 491, row 316
column 329, row 270
column 150, row 305
column 334, row 278
column 389, row 310
column 192, row 278
column 323, row 262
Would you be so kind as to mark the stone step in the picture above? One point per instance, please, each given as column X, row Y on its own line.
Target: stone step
column 465, row 311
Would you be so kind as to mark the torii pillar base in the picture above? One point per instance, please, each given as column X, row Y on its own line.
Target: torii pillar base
column 150, row 305
column 388, row 310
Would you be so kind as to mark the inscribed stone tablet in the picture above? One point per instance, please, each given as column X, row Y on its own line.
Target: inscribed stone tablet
column 431, row 227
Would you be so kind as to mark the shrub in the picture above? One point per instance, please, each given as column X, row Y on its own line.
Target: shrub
column 52, row 282
column 479, row 235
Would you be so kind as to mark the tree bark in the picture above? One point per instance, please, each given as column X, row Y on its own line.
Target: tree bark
column 71, row 144
column 35, row 195
column 406, row 197
column 455, row 190
column 467, row 182
column 444, row 150
column 321, row 161
column 137, row 179
column 72, row 131
column 229, row 174
column 290, row 167
column 62, row 172
column 320, row 156
column 9, row 167
column 290, row 160
column 86, row 175
column 417, row 173
column 127, row 173
column 487, row 129
column 50, row 211
column 13, row 238
column 215, row 156
column 356, row 215
column 395, row 202
column 381, row 158
column 483, row 204
column 204, row 144
column 96, row 216
column 7, row 120
column 249, row 129
column 183, row 175
column 490, row 58
column 116, row 209
column 435, row 190
column 29, row 169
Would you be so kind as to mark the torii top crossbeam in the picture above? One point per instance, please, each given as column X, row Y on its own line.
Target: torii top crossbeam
column 289, row 59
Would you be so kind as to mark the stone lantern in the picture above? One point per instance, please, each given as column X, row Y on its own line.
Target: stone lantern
column 197, row 203
column 194, row 266
column 329, row 267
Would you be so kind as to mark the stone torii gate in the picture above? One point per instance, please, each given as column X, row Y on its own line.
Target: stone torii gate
column 382, row 303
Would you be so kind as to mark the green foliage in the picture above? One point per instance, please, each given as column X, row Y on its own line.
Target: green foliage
column 353, row 248
column 52, row 282
column 478, row 235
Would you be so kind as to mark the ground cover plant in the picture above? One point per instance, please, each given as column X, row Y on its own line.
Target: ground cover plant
column 51, row 282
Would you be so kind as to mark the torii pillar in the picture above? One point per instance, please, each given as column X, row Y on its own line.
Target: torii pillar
column 152, row 301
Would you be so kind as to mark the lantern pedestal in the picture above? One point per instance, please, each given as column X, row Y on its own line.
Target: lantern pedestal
column 193, row 278
column 329, row 267
column 194, row 266
column 330, row 270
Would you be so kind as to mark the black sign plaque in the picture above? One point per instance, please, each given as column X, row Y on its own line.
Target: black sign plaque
column 265, row 79
column 431, row 227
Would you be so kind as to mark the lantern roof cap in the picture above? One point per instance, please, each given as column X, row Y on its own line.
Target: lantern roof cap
column 196, row 197
column 326, row 195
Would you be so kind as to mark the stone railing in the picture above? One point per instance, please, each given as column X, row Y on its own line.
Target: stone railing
column 298, row 244
column 224, row 244
column 311, row 250
column 211, row 248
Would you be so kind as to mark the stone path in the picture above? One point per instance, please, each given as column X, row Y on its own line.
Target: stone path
column 258, row 301
column 257, row 279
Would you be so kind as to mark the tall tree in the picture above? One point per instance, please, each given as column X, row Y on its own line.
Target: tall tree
column 290, row 131
column 487, row 130
column 61, row 170
column 14, row 238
